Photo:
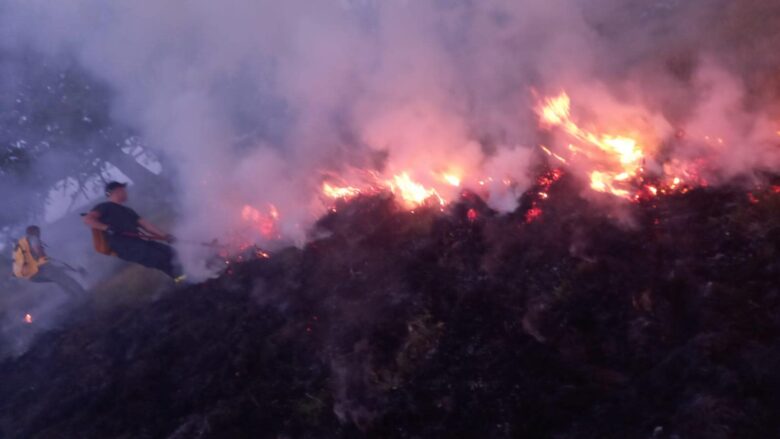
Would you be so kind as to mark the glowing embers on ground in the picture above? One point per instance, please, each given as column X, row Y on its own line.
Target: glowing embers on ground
column 616, row 160
column 541, row 193
column 235, row 248
column 762, row 193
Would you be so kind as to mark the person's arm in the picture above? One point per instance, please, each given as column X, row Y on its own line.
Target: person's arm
column 154, row 230
column 92, row 220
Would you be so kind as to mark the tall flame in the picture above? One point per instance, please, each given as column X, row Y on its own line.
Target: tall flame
column 619, row 158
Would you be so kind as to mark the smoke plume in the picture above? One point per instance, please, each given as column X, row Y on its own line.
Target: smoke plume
column 257, row 102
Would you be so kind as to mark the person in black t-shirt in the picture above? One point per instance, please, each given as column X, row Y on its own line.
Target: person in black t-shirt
column 123, row 227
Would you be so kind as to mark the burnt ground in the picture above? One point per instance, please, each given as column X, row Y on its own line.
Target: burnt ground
column 422, row 325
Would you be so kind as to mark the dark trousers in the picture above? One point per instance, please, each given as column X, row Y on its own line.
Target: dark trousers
column 50, row 273
column 150, row 254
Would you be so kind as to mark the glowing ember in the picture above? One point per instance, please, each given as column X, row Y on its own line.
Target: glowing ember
column 28, row 319
column 543, row 184
column 472, row 215
column 547, row 180
column 532, row 214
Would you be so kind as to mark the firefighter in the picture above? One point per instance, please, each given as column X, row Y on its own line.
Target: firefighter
column 32, row 263
column 131, row 237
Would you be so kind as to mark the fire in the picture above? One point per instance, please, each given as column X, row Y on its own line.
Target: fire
column 617, row 162
column 411, row 192
column 532, row 214
column 619, row 158
column 408, row 191
column 335, row 192
column 622, row 161
column 606, row 182
column 556, row 112
column 28, row 318
column 263, row 222
column 543, row 185
column 552, row 154
column 452, row 179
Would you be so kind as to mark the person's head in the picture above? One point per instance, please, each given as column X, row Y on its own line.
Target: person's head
column 116, row 192
column 33, row 231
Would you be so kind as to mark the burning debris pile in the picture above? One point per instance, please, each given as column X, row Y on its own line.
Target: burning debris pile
column 552, row 321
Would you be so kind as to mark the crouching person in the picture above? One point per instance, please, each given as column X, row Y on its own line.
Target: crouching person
column 32, row 263
column 122, row 232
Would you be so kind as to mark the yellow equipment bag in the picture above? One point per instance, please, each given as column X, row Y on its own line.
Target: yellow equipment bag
column 101, row 243
column 25, row 264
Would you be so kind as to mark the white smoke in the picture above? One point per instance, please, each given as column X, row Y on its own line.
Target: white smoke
column 254, row 100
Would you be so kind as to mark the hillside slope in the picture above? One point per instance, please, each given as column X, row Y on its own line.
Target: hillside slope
column 429, row 324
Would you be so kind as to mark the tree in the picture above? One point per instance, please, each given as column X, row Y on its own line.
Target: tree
column 55, row 125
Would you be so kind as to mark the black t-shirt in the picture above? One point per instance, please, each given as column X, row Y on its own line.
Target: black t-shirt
column 120, row 218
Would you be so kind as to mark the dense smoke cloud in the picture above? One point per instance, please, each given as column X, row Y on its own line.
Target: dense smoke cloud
column 257, row 101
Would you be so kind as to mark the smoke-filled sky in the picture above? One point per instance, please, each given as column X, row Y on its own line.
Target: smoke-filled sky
column 255, row 101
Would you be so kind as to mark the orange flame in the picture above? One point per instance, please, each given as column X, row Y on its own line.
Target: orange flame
column 409, row 192
column 412, row 193
column 618, row 157
column 335, row 192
